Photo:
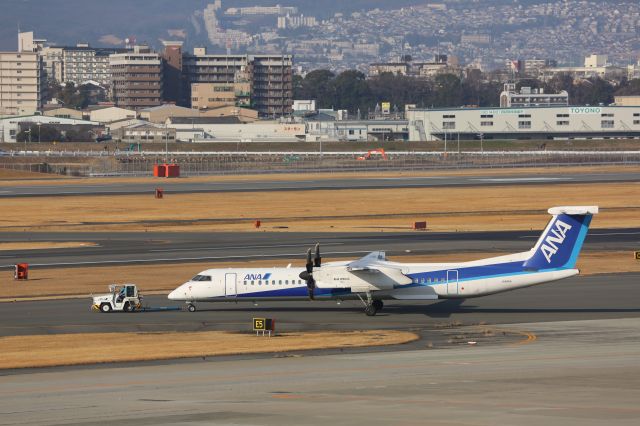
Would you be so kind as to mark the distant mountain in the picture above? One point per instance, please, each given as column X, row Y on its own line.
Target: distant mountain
column 107, row 22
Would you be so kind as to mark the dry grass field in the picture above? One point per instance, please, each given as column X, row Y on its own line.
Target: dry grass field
column 18, row 175
column 445, row 209
column 92, row 348
column 162, row 278
column 42, row 245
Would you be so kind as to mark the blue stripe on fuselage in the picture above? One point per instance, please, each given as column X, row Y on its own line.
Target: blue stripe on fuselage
column 430, row 278
column 295, row 292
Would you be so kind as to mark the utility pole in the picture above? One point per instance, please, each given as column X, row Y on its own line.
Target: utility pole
column 166, row 144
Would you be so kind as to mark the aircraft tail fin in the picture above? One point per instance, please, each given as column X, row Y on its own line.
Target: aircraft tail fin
column 559, row 245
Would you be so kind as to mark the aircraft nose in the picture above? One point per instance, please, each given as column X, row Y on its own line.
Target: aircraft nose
column 178, row 294
column 173, row 295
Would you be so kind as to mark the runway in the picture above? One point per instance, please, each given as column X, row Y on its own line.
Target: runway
column 574, row 373
column 123, row 248
column 580, row 298
column 184, row 186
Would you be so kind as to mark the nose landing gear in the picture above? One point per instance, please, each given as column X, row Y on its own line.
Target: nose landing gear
column 191, row 307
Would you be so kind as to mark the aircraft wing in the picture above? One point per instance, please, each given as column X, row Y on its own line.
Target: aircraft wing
column 367, row 262
column 375, row 274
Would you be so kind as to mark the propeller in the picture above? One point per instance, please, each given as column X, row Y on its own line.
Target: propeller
column 307, row 274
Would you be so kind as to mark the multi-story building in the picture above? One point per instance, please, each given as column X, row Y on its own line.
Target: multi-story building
column 172, row 78
column 21, row 83
column 440, row 65
column 53, row 63
column 22, row 77
column 535, row 67
column 83, row 63
column 296, row 21
column 137, row 78
column 395, row 68
column 528, row 97
column 269, row 77
column 272, row 84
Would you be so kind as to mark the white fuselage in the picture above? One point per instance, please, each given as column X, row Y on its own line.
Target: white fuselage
column 423, row 281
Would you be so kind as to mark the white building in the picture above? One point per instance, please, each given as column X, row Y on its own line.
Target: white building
column 528, row 97
column 304, row 106
column 567, row 122
column 83, row 63
column 594, row 66
column 231, row 129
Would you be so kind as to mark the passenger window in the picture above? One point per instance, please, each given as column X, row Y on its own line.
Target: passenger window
column 422, row 279
column 252, row 282
column 286, row 281
column 245, row 283
column 273, row 282
column 259, row 282
column 280, row 282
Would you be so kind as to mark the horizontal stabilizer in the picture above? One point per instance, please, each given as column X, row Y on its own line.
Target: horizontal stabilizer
column 574, row 210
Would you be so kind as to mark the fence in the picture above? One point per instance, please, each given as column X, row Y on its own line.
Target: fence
column 88, row 163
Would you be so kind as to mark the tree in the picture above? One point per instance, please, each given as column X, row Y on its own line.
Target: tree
column 318, row 85
column 70, row 95
column 297, row 82
column 560, row 82
column 477, row 91
column 592, row 92
column 629, row 88
column 400, row 90
column 447, row 91
column 352, row 91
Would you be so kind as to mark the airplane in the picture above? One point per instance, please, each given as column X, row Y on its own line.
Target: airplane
column 373, row 278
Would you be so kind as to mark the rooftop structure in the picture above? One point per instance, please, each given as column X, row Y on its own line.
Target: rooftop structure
column 528, row 97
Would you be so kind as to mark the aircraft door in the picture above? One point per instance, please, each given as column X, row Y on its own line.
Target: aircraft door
column 452, row 283
column 230, row 284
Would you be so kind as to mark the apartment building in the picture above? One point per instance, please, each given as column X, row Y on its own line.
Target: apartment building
column 267, row 77
column 136, row 78
column 172, row 70
column 83, row 63
column 21, row 83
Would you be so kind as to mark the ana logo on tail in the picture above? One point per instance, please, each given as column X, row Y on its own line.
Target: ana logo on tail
column 556, row 237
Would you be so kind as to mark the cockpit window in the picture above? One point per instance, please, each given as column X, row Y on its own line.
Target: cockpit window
column 201, row 278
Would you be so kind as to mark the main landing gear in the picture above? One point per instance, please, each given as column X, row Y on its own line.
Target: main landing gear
column 371, row 306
